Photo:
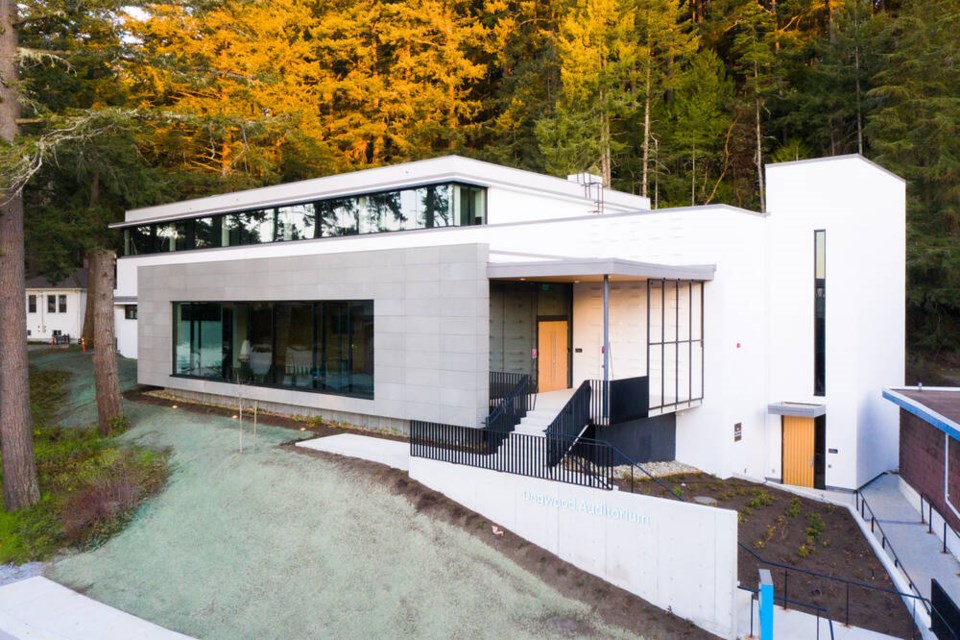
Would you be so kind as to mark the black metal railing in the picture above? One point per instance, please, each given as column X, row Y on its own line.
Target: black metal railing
column 928, row 520
column 502, row 384
column 588, row 463
column 599, row 402
column 862, row 509
column 617, row 401
column 510, row 409
column 819, row 611
column 563, row 432
column 841, row 583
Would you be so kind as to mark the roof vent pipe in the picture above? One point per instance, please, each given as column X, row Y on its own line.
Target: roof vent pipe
column 592, row 187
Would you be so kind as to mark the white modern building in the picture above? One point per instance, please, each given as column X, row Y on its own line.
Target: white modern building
column 739, row 342
column 56, row 308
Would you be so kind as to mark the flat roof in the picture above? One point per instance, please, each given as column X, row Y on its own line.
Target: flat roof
column 593, row 270
column 939, row 406
column 451, row 168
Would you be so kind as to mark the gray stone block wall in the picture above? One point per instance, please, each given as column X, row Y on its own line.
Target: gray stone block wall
column 431, row 310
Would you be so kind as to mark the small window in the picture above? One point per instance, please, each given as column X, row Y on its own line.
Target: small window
column 51, row 304
column 63, row 303
column 819, row 312
column 130, row 311
column 31, row 304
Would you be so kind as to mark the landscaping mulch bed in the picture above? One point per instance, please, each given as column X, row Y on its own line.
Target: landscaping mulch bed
column 809, row 535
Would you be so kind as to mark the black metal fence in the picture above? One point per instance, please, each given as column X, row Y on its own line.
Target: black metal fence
column 588, row 464
column 859, row 598
column 511, row 407
column 863, row 508
column 927, row 518
column 569, row 423
column 617, row 401
column 502, row 384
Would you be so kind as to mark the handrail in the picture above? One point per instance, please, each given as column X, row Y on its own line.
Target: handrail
column 623, row 456
column 825, row 576
column 861, row 502
column 502, row 384
column 509, row 400
column 568, row 425
column 509, row 412
column 929, row 521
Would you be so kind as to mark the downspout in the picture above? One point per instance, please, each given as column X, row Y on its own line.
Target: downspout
column 606, row 345
column 946, row 474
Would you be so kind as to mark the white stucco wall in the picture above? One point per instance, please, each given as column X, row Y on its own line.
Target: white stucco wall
column 673, row 554
column 861, row 207
column 758, row 325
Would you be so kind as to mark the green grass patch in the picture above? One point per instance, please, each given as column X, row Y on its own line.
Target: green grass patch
column 90, row 485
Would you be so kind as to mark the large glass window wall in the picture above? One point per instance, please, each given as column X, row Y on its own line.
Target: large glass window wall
column 312, row 346
column 427, row 207
column 674, row 342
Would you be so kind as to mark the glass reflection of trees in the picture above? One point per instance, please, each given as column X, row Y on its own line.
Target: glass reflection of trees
column 438, row 205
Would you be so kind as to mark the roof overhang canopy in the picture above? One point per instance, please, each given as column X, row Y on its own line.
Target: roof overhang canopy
column 594, row 269
column 797, row 409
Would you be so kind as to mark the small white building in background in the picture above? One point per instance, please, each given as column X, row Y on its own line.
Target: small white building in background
column 744, row 343
column 56, row 308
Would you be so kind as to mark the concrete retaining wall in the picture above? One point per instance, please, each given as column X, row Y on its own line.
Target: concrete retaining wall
column 673, row 554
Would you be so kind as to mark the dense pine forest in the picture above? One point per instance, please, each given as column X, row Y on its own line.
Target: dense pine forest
column 680, row 100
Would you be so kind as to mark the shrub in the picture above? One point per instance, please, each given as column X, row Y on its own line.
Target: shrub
column 89, row 484
column 761, row 498
column 815, row 525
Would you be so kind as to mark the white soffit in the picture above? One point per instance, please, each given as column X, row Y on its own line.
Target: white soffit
column 797, row 409
column 593, row 269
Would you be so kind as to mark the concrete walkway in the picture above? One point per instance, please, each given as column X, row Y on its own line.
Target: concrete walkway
column 919, row 552
column 392, row 453
column 792, row 624
column 40, row 609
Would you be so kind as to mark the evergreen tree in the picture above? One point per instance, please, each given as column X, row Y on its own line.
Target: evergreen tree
column 695, row 150
column 599, row 74
column 20, row 485
column 915, row 132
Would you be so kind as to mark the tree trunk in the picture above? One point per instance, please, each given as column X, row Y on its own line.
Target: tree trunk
column 87, row 334
column 606, row 161
column 20, row 486
column 644, row 188
column 759, row 151
column 106, row 378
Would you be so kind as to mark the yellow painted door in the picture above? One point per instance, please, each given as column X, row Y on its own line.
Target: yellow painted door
column 798, row 451
column 552, row 355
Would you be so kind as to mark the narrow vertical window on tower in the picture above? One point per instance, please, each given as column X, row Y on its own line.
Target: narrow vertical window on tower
column 819, row 311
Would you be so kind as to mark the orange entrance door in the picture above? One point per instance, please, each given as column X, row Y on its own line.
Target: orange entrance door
column 552, row 355
column 798, row 447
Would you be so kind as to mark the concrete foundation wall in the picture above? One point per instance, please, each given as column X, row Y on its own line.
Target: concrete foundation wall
column 392, row 426
column 672, row 554
column 431, row 325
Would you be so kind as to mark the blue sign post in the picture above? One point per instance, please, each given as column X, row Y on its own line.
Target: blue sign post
column 766, row 605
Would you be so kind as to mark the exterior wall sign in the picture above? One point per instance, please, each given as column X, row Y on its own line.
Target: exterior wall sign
column 600, row 509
